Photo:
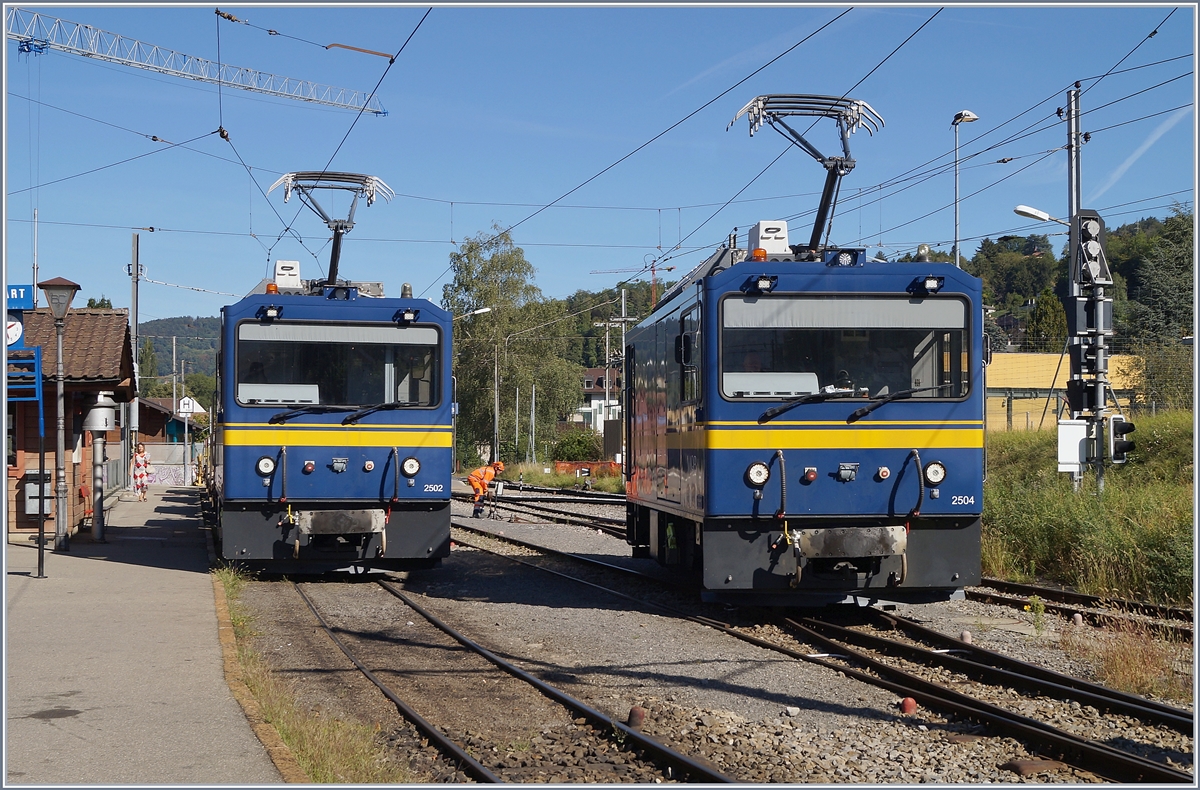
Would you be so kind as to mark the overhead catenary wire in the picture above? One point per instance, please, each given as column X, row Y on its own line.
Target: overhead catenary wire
column 789, row 147
column 652, row 139
column 357, row 116
column 113, row 164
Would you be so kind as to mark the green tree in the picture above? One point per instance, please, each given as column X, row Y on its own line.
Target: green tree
column 997, row 337
column 147, row 368
column 1047, row 328
column 508, row 350
column 1164, row 282
column 103, row 303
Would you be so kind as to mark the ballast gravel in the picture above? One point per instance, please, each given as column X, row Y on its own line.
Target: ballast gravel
column 756, row 715
column 803, row 723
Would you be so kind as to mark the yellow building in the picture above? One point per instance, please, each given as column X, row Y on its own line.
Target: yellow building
column 1028, row 380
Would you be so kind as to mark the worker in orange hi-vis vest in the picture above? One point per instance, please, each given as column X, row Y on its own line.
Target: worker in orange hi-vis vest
column 479, row 480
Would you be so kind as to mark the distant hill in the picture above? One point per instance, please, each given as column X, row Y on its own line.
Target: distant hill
column 196, row 342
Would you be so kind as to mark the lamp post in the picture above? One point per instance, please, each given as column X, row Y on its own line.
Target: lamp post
column 59, row 293
column 963, row 116
column 1038, row 214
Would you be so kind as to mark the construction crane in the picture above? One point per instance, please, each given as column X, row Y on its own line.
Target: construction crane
column 35, row 33
column 653, row 276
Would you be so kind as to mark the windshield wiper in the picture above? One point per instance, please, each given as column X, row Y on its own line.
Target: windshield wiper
column 364, row 411
column 812, row 397
column 311, row 409
column 865, row 410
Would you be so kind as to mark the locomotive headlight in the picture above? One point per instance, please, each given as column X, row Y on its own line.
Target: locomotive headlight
column 265, row 465
column 845, row 258
column 410, row 466
column 935, row 473
column 757, row 474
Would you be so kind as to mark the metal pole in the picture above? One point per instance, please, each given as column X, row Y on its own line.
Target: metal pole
column 98, row 486
column 1073, row 199
column 134, row 271
column 955, row 248
column 174, row 400
column 495, row 454
column 607, row 327
column 187, row 447
column 62, row 541
column 41, row 491
column 35, row 252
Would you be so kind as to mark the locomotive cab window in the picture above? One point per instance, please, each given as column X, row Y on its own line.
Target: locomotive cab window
column 318, row 364
column 782, row 347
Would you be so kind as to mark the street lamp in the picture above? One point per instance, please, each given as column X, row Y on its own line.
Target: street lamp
column 963, row 116
column 480, row 311
column 59, row 293
column 1038, row 214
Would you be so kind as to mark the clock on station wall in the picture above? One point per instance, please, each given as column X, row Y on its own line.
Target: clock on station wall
column 13, row 329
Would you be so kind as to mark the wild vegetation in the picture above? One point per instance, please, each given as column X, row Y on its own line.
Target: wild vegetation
column 327, row 749
column 1135, row 540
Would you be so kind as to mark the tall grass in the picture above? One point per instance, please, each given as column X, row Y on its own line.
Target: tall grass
column 327, row 748
column 533, row 474
column 1133, row 541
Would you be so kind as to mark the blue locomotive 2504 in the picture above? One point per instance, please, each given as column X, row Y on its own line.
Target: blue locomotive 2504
column 810, row 431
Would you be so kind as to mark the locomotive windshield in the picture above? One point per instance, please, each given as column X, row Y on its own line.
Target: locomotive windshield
column 779, row 347
column 337, row 365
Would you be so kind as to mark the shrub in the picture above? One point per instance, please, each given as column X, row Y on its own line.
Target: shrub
column 579, row 446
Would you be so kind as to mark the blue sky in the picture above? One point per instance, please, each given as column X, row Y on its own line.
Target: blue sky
column 495, row 112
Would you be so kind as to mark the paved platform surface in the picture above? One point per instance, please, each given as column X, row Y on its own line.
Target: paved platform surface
column 114, row 668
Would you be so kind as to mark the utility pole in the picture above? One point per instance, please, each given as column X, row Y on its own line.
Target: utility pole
column 134, row 270
column 174, row 400
column 607, row 366
column 1089, row 311
column 532, row 454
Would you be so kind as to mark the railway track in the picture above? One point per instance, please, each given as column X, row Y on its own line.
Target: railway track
column 1103, row 612
column 1032, row 688
column 565, row 493
column 535, row 508
column 593, row 746
column 1166, row 621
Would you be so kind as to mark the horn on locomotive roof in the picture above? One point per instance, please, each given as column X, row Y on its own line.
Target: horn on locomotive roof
column 850, row 114
column 305, row 182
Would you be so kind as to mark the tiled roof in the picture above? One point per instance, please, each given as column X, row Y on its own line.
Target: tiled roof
column 96, row 345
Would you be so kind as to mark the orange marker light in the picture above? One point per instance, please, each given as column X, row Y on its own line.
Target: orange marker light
column 272, row 288
column 758, row 254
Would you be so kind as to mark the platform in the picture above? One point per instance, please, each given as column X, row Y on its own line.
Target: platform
column 115, row 672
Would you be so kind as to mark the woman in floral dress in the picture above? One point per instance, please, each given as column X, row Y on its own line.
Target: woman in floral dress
column 139, row 472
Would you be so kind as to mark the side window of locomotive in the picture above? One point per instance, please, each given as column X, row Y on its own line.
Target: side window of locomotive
column 782, row 347
column 321, row 364
column 692, row 357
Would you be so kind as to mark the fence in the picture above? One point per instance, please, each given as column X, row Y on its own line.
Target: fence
column 168, row 462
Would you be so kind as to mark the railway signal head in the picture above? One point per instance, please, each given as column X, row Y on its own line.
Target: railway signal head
column 1118, row 446
column 1093, row 265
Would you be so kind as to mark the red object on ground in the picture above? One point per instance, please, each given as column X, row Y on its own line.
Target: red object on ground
column 637, row 715
column 908, row 705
